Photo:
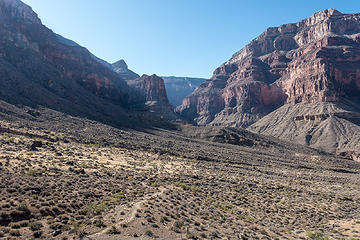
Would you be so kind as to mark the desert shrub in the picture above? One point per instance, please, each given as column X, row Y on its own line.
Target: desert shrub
column 223, row 205
column 191, row 236
column 37, row 234
column 94, row 208
column 123, row 225
column 15, row 233
column 15, row 226
column 34, row 172
column 35, row 226
column 113, row 230
column 100, row 224
column 183, row 186
column 149, row 233
column 22, row 207
column 164, row 219
column 195, row 188
column 317, row 236
column 98, row 208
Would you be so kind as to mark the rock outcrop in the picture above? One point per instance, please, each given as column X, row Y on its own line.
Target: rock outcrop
column 152, row 92
column 15, row 10
column 314, row 60
column 178, row 88
column 121, row 68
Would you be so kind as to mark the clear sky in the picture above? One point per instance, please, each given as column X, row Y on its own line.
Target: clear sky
column 173, row 37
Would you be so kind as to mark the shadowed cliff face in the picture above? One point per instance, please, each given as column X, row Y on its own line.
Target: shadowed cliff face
column 14, row 10
column 178, row 88
column 38, row 69
column 150, row 90
column 316, row 59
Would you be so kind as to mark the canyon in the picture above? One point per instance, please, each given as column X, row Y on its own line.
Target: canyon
column 303, row 66
column 314, row 60
column 178, row 88
column 92, row 150
column 40, row 68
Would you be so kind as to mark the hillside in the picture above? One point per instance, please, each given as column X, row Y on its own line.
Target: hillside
column 285, row 74
column 89, row 180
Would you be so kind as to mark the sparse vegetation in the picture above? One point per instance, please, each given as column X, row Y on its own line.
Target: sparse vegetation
column 185, row 193
column 113, row 230
column 317, row 236
column 22, row 207
column 35, row 226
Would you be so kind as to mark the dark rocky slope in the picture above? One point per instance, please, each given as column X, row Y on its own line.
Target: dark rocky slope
column 36, row 68
column 39, row 68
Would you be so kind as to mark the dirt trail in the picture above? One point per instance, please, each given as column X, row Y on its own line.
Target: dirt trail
column 130, row 216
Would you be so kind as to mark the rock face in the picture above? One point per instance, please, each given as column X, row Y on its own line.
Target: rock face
column 314, row 60
column 39, row 69
column 13, row 10
column 121, row 68
column 153, row 94
column 178, row 88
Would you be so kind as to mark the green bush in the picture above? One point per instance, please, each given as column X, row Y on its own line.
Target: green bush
column 22, row 207
column 35, row 226
column 317, row 236
column 113, row 230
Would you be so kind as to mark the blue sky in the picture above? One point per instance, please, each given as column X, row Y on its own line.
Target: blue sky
column 173, row 37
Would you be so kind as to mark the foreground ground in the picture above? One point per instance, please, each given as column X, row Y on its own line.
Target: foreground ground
column 88, row 180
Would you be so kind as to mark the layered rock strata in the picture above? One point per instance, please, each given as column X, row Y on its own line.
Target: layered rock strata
column 153, row 95
column 314, row 60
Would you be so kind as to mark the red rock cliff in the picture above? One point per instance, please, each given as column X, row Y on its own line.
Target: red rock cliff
column 151, row 92
column 36, row 68
column 316, row 59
